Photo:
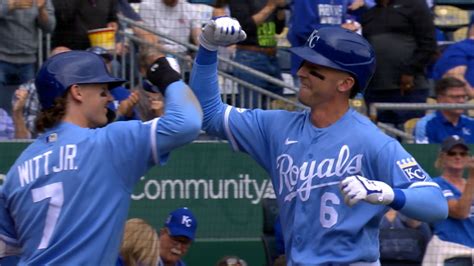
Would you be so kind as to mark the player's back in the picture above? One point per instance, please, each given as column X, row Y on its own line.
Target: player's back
column 69, row 193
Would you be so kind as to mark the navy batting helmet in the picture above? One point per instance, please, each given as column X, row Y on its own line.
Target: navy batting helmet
column 341, row 49
column 63, row 70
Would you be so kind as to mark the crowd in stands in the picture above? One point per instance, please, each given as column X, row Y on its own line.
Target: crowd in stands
column 403, row 34
column 411, row 68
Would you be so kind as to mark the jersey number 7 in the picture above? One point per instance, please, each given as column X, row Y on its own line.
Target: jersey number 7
column 53, row 191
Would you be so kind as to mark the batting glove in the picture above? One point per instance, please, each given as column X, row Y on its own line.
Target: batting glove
column 356, row 188
column 161, row 74
column 222, row 31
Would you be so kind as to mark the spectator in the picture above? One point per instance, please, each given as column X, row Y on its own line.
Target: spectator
column 7, row 128
column 177, row 19
column 435, row 127
column 402, row 33
column 19, row 23
column 453, row 237
column 261, row 20
column 21, row 131
column 140, row 244
column 29, row 108
column 31, row 105
column 152, row 104
column 77, row 17
column 176, row 236
column 458, row 60
column 125, row 9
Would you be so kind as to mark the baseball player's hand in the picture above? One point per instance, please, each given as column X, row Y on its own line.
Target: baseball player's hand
column 356, row 188
column 161, row 74
column 222, row 31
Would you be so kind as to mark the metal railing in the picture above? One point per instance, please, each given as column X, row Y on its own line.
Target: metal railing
column 226, row 76
column 375, row 107
column 391, row 130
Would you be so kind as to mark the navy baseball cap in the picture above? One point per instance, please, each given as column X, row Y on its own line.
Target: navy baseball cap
column 452, row 141
column 181, row 222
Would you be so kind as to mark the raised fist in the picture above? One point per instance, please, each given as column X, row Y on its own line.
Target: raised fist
column 221, row 31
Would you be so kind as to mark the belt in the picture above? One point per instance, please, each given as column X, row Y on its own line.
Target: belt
column 270, row 51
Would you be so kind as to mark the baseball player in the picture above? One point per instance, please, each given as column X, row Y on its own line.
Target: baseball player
column 68, row 194
column 334, row 173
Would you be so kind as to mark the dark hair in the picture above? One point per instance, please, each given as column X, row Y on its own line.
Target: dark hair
column 444, row 84
column 48, row 118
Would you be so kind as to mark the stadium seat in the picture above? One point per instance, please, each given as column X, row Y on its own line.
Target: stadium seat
column 409, row 125
column 462, row 261
column 430, row 100
column 450, row 18
column 402, row 246
column 460, row 34
column 470, row 112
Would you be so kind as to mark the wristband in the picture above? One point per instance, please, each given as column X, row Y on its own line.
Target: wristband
column 161, row 74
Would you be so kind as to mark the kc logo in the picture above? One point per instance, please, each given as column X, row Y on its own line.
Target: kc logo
column 186, row 221
column 314, row 37
column 411, row 169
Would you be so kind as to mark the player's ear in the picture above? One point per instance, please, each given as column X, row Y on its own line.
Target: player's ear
column 76, row 92
column 346, row 84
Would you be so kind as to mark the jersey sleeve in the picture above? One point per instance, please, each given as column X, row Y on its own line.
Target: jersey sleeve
column 399, row 169
column 152, row 141
column 246, row 130
column 412, row 185
column 8, row 244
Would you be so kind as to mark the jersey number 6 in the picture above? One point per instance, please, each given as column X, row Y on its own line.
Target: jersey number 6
column 327, row 213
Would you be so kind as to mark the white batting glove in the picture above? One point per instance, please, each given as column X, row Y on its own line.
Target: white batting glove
column 222, row 31
column 356, row 188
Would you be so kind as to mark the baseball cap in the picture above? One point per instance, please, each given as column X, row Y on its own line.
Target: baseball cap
column 452, row 141
column 181, row 222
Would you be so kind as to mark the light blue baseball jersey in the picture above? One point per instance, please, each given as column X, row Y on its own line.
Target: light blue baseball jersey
column 306, row 165
column 68, row 193
column 454, row 230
